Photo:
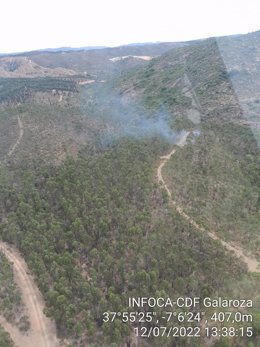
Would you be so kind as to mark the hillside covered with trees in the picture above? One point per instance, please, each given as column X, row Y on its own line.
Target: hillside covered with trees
column 81, row 201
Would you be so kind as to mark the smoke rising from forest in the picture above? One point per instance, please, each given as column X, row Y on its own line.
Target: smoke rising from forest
column 126, row 119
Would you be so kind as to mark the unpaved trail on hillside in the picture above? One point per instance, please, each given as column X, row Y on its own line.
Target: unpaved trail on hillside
column 12, row 149
column 42, row 332
column 252, row 263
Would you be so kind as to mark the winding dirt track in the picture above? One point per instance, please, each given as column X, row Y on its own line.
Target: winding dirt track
column 17, row 142
column 252, row 263
column 12, row 149
column 42, row 332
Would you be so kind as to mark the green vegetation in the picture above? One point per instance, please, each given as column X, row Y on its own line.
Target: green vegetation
column 10, row 298
column 217, row 181
column 53, row 129
column 5, row 340
column 18, row 89
column 87, row 229
column 159, row 83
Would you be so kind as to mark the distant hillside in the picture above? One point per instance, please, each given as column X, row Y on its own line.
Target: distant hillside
column 97, row 61
column 25, row 67
column 180, row 75
column 214, row 87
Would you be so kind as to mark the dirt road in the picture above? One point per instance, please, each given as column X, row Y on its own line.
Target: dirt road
column 17, row 142
column 42, row 332
column 12, row 149
column 252, row 263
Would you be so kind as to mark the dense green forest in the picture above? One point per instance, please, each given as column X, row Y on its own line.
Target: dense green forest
column 216, row 178
column 10, row 298
column 19, row 89
column 10, row 301
column 98, row 230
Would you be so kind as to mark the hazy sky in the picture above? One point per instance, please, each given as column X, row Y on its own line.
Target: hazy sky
column 28, row 24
